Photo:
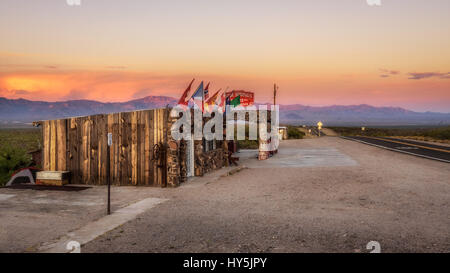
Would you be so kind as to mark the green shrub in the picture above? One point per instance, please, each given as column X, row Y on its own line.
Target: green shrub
column 248, row 144
column 12, row 159
column 294, row 133
column 14, row 145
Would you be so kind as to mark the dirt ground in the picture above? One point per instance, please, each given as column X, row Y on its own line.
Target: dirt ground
column 329, row 132
column 317, row 195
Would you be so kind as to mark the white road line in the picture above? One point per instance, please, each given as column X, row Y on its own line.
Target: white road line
column 395, row 150
column 99, row 227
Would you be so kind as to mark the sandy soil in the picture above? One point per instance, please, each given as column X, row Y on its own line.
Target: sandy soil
column 329, row 132
column 351, row 194
column 442, row 142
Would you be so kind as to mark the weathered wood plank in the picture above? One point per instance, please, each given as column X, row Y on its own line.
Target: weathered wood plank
column 122, row 141
column 119, row 148
column 156, row 139
column 102, row 135
column 73, row 151
column 98, row 162
column 160, row 142
column 147, row 148
column 53, row 145
column 140, row 146
column 50, row 182
column 129, row 140
column 134, row 147
column 93, row 160
column 143, row 154
column 115, row 148
column 110, row 129
column 53, row 175
column 79, row 149
column 46, row 140
column 164, row 126
column 61, row 145
column 126, row 147
column 151, row 145
column 86, row 151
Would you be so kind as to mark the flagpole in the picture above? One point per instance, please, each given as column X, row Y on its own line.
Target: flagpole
column 275, row 87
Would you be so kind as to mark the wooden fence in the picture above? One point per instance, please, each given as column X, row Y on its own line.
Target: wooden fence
column 79, row 145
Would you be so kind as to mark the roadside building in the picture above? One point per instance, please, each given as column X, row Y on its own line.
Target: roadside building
column 142, row 151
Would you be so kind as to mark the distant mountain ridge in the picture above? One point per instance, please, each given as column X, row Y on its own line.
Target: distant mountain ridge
column 363, row 114
column 19, row 111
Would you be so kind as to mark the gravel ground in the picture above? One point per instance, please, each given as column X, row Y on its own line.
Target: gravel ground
column 29, row 218
column 401, row 201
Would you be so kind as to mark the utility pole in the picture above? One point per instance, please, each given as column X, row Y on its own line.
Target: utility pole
column 275, row 87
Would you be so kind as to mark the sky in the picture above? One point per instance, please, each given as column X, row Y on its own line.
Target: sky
column 321, row 52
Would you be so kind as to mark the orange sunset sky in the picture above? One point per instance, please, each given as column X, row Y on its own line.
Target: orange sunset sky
column 319, row 52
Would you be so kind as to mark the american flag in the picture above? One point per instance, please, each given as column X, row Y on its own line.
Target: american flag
column 206, row 92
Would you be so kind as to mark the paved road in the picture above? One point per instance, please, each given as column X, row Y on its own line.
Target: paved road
column 431, row 151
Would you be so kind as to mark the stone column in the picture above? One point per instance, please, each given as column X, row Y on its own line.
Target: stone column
column 173, row 164
column 173, row 156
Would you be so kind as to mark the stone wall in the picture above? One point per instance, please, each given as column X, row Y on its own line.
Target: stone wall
column 175, row 152
column 204, row 161
column 208, row 161
column 182, row 160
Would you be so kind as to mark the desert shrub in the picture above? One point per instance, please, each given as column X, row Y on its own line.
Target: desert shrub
column 27, row 139
column 294, row 133
column 248, row 144
column 441, row 133
column 14, row 145
column 12, row 159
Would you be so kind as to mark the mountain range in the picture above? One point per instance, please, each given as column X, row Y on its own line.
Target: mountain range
column 20, row 111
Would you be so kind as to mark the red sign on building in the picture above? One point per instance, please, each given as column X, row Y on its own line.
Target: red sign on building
column 247, row 98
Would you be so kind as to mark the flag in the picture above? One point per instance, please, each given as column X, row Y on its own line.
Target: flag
column 209, row 104
column 227, row 102
column 213, row 98
column 198, row 96
column 206, row 92
column 221, row 100
column 183, row 100
column 236, row 101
